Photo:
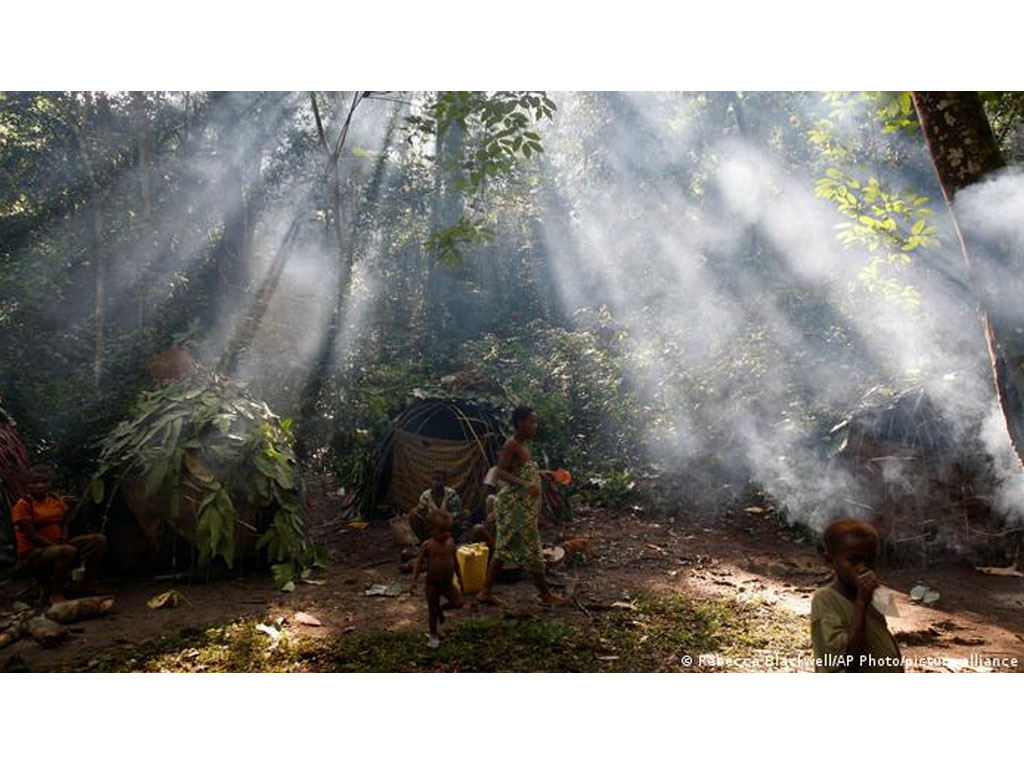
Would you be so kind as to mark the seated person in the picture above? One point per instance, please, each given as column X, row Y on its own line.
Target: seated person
column 438, row 497
column 41, row 530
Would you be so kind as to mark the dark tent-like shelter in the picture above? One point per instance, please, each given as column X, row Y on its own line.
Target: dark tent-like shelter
column 460, row 436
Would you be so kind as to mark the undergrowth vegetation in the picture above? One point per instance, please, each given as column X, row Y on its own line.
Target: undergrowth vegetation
column 654, row 635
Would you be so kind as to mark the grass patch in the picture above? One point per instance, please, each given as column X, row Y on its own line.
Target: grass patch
column 664, row 628
column 651, row 638
column 233, row 647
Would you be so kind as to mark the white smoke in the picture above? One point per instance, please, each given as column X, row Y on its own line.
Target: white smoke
column 693, row 276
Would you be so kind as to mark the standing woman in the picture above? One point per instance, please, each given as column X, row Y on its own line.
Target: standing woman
column 517, row 508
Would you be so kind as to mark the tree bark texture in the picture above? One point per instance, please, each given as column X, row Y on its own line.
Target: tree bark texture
column 447, row 207
column 964, row 151
column 345, row 256
column 144, row 226
column 79, row 125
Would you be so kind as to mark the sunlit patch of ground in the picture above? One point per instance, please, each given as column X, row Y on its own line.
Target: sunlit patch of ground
column 652, row 633
column 730, row 594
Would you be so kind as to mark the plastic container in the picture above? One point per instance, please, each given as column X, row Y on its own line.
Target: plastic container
column 472, row 560
column 884, row 601
column 561, row 476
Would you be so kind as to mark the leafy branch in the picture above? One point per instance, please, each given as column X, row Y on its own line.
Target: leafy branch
column 499, row 134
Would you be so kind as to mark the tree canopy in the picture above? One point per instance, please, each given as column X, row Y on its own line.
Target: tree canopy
column 666, row 277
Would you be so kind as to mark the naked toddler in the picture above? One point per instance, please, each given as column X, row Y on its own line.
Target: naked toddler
column 441, row 565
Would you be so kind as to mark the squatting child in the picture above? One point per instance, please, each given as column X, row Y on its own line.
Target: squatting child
column 439, row 553
column 847, row 632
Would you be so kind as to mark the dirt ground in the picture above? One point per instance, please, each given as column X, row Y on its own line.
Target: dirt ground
column 976, row 626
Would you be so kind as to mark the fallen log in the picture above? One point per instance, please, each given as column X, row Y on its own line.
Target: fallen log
column 69, row 611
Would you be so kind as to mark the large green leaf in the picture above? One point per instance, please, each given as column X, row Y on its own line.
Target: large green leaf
column 286, row 500
column 283, row 573
column 156, row 475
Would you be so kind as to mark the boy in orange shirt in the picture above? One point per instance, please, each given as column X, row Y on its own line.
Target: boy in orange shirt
column 41, row 529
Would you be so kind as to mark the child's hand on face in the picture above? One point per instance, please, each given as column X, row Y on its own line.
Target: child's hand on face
column 867, row 583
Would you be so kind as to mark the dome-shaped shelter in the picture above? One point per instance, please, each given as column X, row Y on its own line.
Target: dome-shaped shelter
column 932, row 489
column 460, row 436
column 200, row 461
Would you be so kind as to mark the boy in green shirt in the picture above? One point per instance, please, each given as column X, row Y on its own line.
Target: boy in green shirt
column 847, row 632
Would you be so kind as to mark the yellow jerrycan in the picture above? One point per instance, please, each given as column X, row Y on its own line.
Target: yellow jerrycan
column 472, row 560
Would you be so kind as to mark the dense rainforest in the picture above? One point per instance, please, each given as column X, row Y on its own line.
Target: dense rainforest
column 736, row 316
column 667, row 278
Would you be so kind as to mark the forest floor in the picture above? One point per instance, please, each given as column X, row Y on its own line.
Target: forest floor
column 663, row 592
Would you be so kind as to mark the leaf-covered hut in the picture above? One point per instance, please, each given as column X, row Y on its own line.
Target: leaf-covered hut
column 199, row 461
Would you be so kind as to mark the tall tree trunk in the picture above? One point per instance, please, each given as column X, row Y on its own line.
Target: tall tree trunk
column 318, row 377
column 447, row 207
column 345, row 256
column 99, row 307
column 964, row 151
column 144, row 227
column 78, row 125
column 233, row 249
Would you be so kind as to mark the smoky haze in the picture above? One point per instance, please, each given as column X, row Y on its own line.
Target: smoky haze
column 750, row 326
column 699, row 243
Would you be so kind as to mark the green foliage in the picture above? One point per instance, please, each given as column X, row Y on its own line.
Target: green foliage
column 497, row 125
column 497, row 134
column 589, row 416
column 378, row 394
column 888, row 225
column 895, row 111
column 450, row 243
column 846, row 138
column 881, row 219
column 614, row 490
column 1005, row 110
column 209, row 443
